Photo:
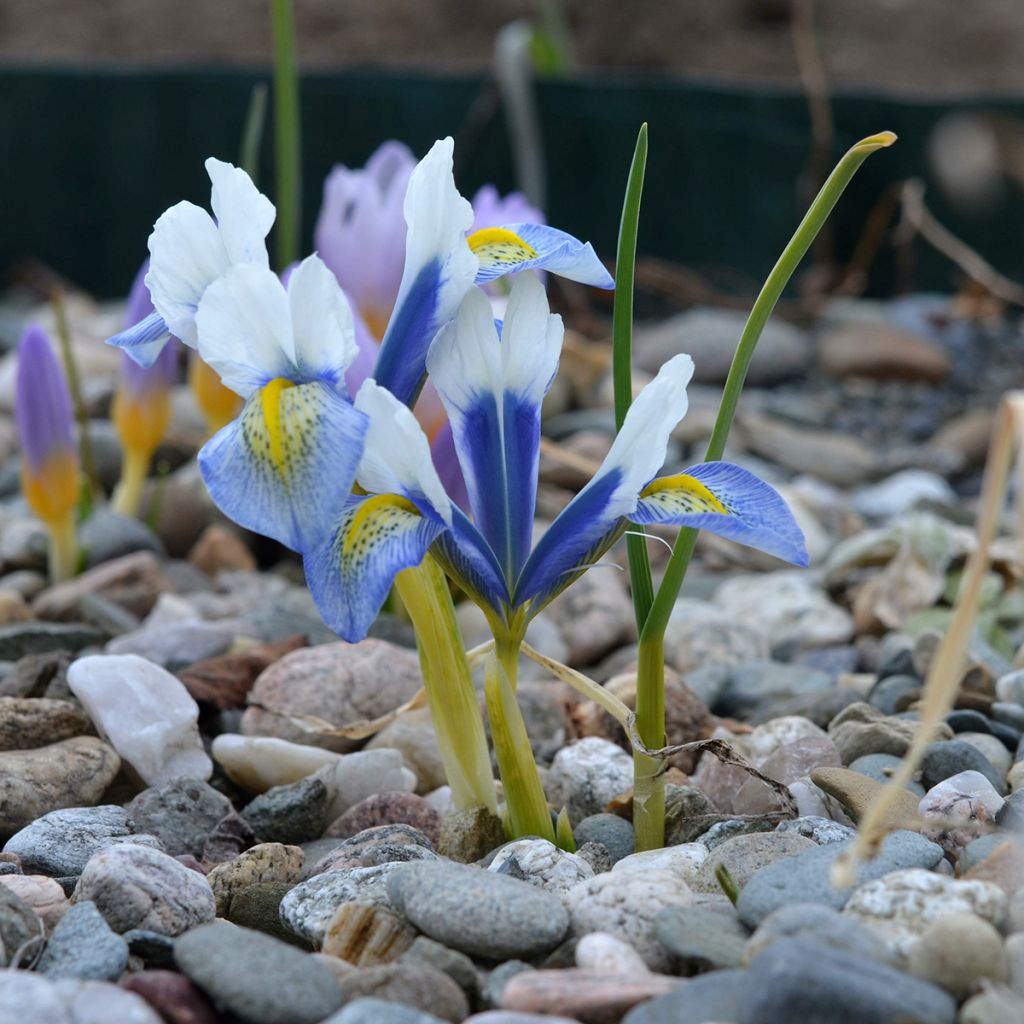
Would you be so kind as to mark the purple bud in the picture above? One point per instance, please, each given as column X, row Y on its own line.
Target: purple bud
column 136, row 380
column 42, row 404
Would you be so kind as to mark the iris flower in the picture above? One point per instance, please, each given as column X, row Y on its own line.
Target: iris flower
column 492, row 380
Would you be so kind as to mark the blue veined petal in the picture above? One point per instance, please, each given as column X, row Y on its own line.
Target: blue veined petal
column 727, row 500
column 439, row 268
column 350, row 573
column 516, row 247
column 286, row 466
column 468, row 559
column 492, row 390
column 143, row 341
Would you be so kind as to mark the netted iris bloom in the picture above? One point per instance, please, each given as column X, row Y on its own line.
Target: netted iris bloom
column 42, row 409
column 189, row 250
column 492, row 384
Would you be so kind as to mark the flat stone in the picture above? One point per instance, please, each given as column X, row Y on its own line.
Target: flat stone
column 882, row 352
column 256, row 977
column 959, row 809
column 701, row 937
column 944, row 759
column 181, row 814
column 382, row 844
column 857, row 792
column 594, row 616
column 258, row 763
column 994, row 1006
column 798, row 980
column 881, row 768
column 603, row 953
column 478, row 912
column 290, row 814
column 24, row 638
column 388, row 809
column 822, row 831
column 744, row 856
column 683, row 860
column 717, row 996
column 806, row 877
column 83, row 946
column 1004, row 867
column 354, row 777
column 70, row 1001
column 861, row 729
column 583, row 995
column 147, row 715
column 61, row 842
column 459, row 967
column 366, row 936
column 26, row 723
column 258, row 906
column 71, row 773
column 417, row 985
column 138, row 887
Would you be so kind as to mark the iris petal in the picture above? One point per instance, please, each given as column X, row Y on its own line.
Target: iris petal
column 287, row 464
column 351, row 573
column 143, row 341
column 516, row 247
column 727, row 500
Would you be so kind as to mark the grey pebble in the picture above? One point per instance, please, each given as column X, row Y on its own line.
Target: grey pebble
column 181, row 814
column 420, row 986
column 614, row 833
column 83, row 946
column 880, row 767
column 717, row 996
column 950, row 757
column 377, row 1011
column 21, row 931
column 822, row 831
column 701, row 937
column 291, row 814
column 61, row 842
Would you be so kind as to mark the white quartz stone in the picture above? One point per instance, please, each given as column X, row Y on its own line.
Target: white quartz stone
column 258, row 763
column 145, row 713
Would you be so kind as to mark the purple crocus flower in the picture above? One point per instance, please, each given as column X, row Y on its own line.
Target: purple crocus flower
column 42, row 409
column 139, row 382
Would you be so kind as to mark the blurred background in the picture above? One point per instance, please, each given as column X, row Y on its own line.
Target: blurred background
column 108, row 108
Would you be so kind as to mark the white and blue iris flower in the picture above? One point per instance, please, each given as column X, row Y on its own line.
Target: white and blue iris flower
column 492, row 380
column 189, row 250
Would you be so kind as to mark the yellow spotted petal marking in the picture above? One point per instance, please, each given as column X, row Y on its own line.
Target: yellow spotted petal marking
column 499, row 247
column 270, row 400
column 373, row 522
column 682, row 494
column 281, row 426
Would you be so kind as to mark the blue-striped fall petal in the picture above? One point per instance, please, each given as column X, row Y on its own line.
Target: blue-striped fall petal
column 512, row 248
column 42, row 410
column 492, row 386
column 286, row 465
column 189, row 250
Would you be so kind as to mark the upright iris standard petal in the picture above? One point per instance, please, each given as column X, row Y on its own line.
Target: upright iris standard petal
column 286, row 465
column 42, row 410
column 516, row 247
column 189, row 250
column 492, row 389
column 323, row 330
column 351, row 573
column 588, row 524
column 439, row 268
column 729, row 501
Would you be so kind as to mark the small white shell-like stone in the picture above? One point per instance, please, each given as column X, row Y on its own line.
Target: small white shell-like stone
column 606, row 954
column 145, row 713
column 541, row 863
column 258, row 763
column 683, row 861
column 962, row 807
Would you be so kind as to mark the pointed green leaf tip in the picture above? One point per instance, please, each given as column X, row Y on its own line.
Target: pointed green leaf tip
column 564, row 839
column 883, row 140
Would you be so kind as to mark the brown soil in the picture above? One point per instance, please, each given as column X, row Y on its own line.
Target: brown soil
column 936, row 47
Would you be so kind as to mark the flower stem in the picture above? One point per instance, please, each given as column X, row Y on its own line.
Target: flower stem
column 648, row 782
column 127, row 495
column 286, row 132
column 650, row 690
column 528, row 811
column 63, row 548
column 454, row 707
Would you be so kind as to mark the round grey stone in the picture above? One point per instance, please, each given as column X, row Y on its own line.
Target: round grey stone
column 417, row 985
column 61, row 842
column 717, row 996
column 823, row 831
column 614, row 833
column 83, row 946
column 881, row 767
column 258, row 978
column 181, row 814
column 702, row 937
column 744, row 856
column 946, row 758
column 478, row 912
column 885, row 694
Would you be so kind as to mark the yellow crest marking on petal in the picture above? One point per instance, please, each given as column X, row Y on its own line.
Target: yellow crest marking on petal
column 373, row 521
column 683, row 493
column 500, row 247
column 270, row 399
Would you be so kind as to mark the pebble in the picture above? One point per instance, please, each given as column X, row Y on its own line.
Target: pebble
column 881, row 768
column 268, row 862
column 822, row 831
column 366, row 936
column 614, row 833
column 702, row 639
column 945, row 759
column 61, row 842
column 594, row 616
column 227, row 839
column 174, row 645
column 901, row 905
column 367, row 1010
column 258, row 906
column 381, row 844
column 24, row 638
column 258, row 763
column 603, row 953
column 625, row 905
column 388, row 809
column 688, row 810
column 888, row 693
column 744, row 856
column 959, row 809
column 957, row 952
column 469, row 835
column 861, row 729
column 219, row 548
column 993, row 749
column 818, row 924
column 412, row 735
column 146, row 714
column 181, row 814
column 759, row 688
column 224, row 681
column 420, row 986
column 339, row 683
column 805, row 877
column 26, row 723
column 71, row 773
column 1004, row 867
column 477, row 912
column 459, row 967
column 702, row 938
column 857, row 792
column 354, row 777
column 21, row 930
column 683, row 861
column 260, row 979
column 172, row 995
column 83, row 946
column 139, row 887
column 290, row 814
column 542, row 864
column 45, row 897
column 587, row 775
column 993, row 1006
column 717, row 996
column 308, row 908
column 583, row 995
column 32, row 997
column 794, row 979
